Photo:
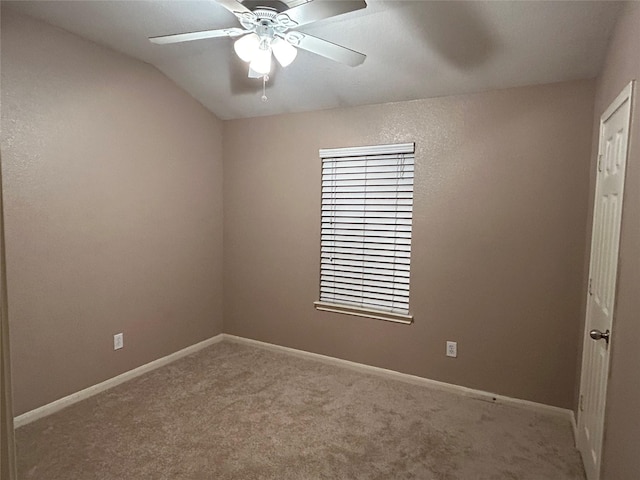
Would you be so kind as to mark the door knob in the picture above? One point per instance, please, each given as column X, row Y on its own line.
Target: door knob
column 598, row 335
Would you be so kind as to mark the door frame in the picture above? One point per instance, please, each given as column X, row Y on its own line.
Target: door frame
column 625, row 95
column 7, row 443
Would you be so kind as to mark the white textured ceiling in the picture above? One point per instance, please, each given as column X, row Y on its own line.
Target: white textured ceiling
column 415, row 49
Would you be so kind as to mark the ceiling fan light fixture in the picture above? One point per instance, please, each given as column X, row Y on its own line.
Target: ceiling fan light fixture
column 261, row 62
column 247, row 47
column 267, row 29
column 284, row 52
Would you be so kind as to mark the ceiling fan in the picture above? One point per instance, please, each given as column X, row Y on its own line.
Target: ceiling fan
column 269, row 26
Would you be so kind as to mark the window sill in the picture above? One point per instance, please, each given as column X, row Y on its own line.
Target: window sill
column 363, row 312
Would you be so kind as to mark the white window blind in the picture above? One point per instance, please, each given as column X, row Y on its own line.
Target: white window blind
column 367, row 205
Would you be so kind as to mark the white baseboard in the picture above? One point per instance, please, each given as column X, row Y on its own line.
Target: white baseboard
column 414, row 379
column 64, row 402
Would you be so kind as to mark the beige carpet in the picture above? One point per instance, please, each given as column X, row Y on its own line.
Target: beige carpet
column 238, row 412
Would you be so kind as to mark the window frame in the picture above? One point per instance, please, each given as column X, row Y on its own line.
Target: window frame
column 398, row 152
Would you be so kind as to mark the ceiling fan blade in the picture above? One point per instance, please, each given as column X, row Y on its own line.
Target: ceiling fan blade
column 319, row 9
column 234, row 7
column 187, row 37
column 326, row 49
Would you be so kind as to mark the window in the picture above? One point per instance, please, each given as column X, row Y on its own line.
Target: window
column 365, row 246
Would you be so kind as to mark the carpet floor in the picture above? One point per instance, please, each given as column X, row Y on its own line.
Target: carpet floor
column 233, row 411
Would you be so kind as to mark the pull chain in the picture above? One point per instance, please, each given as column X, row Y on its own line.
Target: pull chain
column 265, row 79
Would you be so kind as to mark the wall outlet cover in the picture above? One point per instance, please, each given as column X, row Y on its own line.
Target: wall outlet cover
column 452, row 349
column 118, row 341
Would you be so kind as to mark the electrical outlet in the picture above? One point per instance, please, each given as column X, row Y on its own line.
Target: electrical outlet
column 118, row 341
column 452, row 349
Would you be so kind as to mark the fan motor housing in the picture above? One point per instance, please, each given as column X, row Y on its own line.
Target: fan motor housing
column 275, row 5
column 265, row 21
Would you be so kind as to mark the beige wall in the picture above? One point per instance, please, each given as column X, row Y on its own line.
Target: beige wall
column 499, row 220
column 622, row 436
column 113, row 212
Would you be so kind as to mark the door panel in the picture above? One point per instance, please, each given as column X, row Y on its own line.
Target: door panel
column 614, row 134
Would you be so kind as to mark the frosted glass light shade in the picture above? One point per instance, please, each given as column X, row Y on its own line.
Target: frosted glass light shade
column 284, row 52
column 261, row 62
column 246, row 47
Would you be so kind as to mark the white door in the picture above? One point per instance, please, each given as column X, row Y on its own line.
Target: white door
column 612, row 149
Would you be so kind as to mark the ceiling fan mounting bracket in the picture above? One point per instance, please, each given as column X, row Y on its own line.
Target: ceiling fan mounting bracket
column 294, row 38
